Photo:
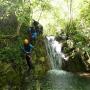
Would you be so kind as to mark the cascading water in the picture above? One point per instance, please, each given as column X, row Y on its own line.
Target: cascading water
column 57, row 79
column 54, row 52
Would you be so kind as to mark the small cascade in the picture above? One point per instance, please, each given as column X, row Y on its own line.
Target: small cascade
column 54, row 52
column 56, row 78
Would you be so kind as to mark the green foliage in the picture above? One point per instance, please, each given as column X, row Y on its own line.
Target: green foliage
column 13, row 67
column 41, row 4
column 70, row 28
column 23, row 9
column 85, row 12
column 19, row 8
column 51, row 29
column 79, row 38
column 14, row 64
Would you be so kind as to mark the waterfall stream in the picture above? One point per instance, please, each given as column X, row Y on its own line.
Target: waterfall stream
column 57, row 79
column 54, row 52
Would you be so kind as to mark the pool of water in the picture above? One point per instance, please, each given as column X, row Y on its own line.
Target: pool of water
column 62, row 80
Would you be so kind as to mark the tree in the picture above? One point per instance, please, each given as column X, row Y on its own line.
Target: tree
column 85, row 13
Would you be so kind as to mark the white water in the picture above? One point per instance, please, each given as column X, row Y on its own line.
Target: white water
column 54, row 52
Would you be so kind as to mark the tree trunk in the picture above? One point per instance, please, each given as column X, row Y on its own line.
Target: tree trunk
column 71, row 17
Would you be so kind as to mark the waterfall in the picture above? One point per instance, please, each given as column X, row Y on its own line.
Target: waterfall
column 57, row 79
column 54, row 52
